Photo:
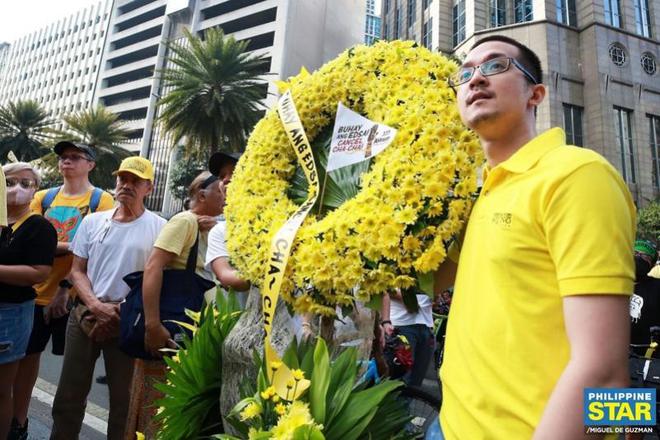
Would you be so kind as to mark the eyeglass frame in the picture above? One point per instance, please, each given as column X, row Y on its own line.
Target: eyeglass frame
column 33, row 183
column 78, row 157
column 510, row 60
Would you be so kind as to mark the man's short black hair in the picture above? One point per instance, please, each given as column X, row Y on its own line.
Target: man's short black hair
column 527, row 56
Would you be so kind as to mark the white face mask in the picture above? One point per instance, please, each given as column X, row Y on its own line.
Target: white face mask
column 17, row 195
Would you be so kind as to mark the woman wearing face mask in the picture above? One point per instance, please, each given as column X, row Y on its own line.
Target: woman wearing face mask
column 27, row 249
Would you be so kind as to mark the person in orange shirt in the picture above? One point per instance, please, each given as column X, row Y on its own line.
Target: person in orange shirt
column 64, row 207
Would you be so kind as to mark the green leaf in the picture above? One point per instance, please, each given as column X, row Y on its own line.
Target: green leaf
column 375, row 303
column 307, row 432
column 340, row 185
column 290, row 357
column 425, row 282
column 307, row 364
column 342, row 379
column 358, row 406
column 192, row 391
column 320, row 381
column 361, row 424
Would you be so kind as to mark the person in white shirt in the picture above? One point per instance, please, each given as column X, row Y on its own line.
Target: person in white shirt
column 107, row 246
column 416, row 326
column 217, row 256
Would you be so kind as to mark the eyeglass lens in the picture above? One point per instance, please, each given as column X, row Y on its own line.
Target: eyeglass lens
column 490, row 67
column 71, row 157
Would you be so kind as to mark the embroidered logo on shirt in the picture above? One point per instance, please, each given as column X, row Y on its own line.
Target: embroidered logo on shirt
column 502, row 219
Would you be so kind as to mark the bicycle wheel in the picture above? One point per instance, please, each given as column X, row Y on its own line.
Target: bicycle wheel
column 423, row 407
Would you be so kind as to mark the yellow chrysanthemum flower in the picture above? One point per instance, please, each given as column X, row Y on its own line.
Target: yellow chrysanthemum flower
column 280, row 409
column 251, row 411
column 296, row 416
column 417, row 190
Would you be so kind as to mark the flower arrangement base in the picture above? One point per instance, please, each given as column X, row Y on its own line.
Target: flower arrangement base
column 353, row 330
column 246, row 337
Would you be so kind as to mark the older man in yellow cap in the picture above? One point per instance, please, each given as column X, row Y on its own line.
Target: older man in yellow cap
column 107, row 246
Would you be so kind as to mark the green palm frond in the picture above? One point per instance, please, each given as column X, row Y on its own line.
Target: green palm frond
column 349, row 409
column 215, row 92
column 25, row 128
column 190, row 408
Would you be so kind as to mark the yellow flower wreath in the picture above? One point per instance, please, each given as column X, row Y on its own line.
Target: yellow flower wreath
column 413, row 200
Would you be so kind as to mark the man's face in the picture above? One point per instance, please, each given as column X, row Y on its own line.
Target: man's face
column 214, row 197
column 74, row 163
column 131, row 188
column 502, row 98
column 226, row 171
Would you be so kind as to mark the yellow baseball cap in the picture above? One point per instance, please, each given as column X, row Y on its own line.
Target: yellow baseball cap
column 137, row 165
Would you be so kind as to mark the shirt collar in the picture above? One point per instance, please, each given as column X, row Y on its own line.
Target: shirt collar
column 529, row 154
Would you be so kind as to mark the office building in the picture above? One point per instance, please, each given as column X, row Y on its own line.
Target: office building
column 291, row 33
column 372, row 24
column 57, row 65
column 600, row 59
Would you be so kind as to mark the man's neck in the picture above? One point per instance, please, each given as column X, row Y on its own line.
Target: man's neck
column 499, row 147
column 76, row 186
column 15, row 213
column 128, row 212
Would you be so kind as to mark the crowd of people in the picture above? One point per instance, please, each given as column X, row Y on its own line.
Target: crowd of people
column 540, row 308
column 64, row 256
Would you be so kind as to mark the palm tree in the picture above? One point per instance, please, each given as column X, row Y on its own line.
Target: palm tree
column 215, row 93
column 24, row 129
column 100, row 128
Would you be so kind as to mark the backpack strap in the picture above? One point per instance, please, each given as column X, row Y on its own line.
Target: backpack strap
column 48, row 198
column 95, row 199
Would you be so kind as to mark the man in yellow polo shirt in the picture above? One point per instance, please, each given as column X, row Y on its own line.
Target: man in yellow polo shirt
column 540, row 309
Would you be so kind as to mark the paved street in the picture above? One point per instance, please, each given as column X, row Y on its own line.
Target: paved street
column 95, row 422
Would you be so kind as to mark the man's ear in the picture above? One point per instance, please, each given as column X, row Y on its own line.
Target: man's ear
column 92, row 165
column 538, row 95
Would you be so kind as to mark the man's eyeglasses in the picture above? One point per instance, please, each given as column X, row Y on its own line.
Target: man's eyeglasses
column 489, row 68
column 25, row 183
column 72, row 157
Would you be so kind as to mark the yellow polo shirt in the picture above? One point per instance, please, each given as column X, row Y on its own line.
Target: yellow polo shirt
column 551, row 221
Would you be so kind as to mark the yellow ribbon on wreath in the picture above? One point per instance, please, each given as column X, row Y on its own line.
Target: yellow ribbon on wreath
column 280, row 248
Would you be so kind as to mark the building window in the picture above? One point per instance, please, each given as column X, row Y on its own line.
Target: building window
column 497, row 13
column 411, row 13
column 612, row 12
column 623, row 127
column 425, row 4
column 458, row 21
column 618, row 54
column 523, row 10
column 642, row 18
column 399, row 21
column 648, row 63
column 566, row 12
column 386, row 6
column 427, row 33
column 573, row 124
column 654, row 141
